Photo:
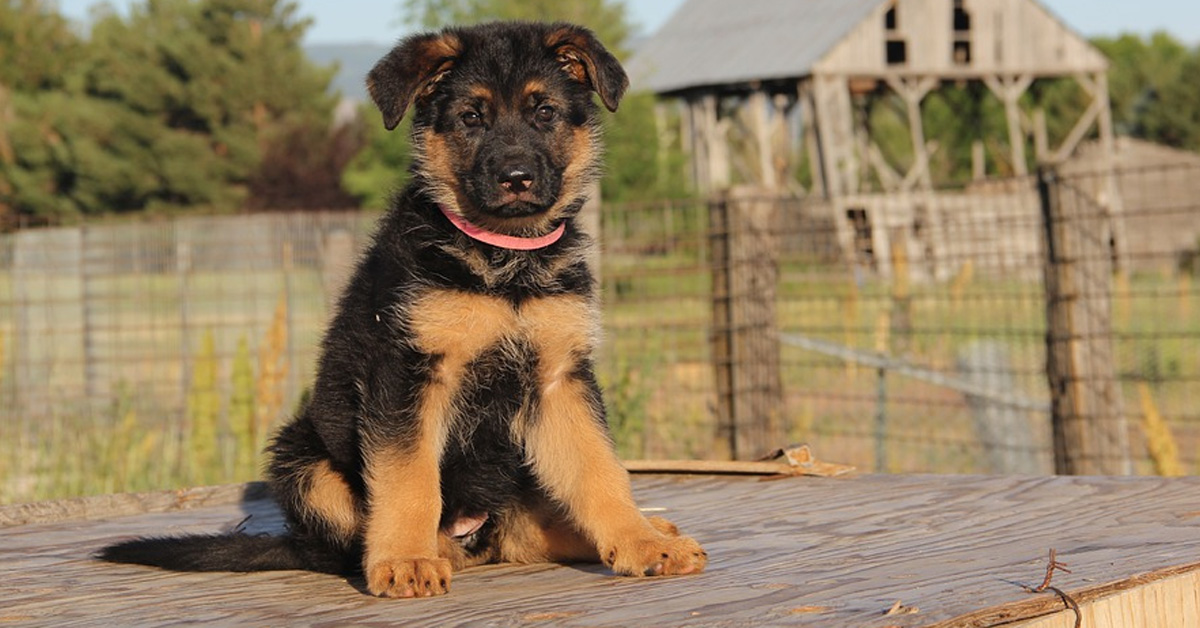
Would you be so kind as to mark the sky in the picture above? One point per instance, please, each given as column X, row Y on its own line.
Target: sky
column 379, row 21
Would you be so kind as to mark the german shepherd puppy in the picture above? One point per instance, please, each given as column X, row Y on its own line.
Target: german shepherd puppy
column 456, row 419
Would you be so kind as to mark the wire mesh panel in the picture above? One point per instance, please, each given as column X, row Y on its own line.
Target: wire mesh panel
column 159, row 353
column 918, row 346
column 1155, row 307
column 656, row 363
column 910, row 331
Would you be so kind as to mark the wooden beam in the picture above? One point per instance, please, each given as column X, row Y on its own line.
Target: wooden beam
column 910, row 180
column 697, row 147
column 1077, row 134
column 808, row 121
column 761, row 109
column 1041, row 137
column 891, row 180
column 978, row 161
column 835, row 120
column 717, row 136
column 1009, row 90
column 914, row 91
column 783, row 148
column 710, row 161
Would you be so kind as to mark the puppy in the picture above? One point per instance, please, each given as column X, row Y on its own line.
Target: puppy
column 456, row 419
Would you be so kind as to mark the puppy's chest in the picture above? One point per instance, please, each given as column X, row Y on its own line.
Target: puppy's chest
column 461, row 327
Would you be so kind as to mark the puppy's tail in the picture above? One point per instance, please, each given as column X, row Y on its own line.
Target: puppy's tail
column 229, row 552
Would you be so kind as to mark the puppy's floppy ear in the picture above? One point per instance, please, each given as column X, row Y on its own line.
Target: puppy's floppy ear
column 410, row 72
column 584, row 58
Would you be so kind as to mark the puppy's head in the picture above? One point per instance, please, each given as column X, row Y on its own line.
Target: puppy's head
column 505, row 130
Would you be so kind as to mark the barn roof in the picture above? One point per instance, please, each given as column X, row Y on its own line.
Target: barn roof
column 718, row 42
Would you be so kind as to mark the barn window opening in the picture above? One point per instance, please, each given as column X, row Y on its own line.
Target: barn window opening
column 896, row 47
column 962, row 19
column 864, row 246
column 961, row 52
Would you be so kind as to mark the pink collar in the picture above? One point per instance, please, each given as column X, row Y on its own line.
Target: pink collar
column 499, row 239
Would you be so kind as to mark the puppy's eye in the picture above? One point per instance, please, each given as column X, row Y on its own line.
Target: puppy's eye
column 545, row 113
column 472, row 119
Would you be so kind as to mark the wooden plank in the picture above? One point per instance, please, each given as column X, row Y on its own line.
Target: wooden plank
column 109, row 506
column 1161, row 599
column 793, row 552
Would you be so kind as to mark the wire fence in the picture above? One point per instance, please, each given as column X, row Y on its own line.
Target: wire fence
column 903, row 333
column 912, row 330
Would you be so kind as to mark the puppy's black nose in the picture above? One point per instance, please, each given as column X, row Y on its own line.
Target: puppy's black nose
column 516, row 179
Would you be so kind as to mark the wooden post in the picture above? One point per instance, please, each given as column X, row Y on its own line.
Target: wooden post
column 746, row 338
column 978, row 161
column 835, row 134
column 710, row 156
column 1009, row 91
column 808, row 120
column 761, row 112
column 687, row 141
column 1090, row 432
column 1041, row 137
column 914, row 91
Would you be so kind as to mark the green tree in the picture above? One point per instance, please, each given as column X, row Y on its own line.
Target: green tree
column 1141, row 69
column 381, row 167
column 38, row 53
column 219, row 78
column 1173, row 118
column 37, row 46
column 174, row 106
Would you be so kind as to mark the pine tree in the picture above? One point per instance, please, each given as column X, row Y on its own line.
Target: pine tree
column 174, row 106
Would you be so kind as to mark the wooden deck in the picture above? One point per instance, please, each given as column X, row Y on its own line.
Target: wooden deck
column 952, row 551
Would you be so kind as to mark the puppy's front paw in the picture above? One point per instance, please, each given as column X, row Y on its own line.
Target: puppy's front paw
column 657, row 555
column 409, row 577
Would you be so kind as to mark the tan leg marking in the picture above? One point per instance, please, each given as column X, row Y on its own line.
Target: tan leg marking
column 540, row 534
column 573, row 456
column 402, row 557
column 328, row 499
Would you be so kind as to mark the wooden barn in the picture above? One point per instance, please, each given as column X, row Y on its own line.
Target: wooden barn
column 749, row 76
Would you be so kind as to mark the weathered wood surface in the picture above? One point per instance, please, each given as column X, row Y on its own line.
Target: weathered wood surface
column 797, row 551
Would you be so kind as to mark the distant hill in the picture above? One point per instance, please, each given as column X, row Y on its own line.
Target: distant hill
column 353, row 60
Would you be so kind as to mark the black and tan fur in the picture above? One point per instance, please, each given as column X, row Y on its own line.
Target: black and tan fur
column 456, row 381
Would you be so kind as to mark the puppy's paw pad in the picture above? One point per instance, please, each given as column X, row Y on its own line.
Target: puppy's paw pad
column 409, row 577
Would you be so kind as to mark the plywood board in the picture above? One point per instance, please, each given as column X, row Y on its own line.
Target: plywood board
column 797, row 551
